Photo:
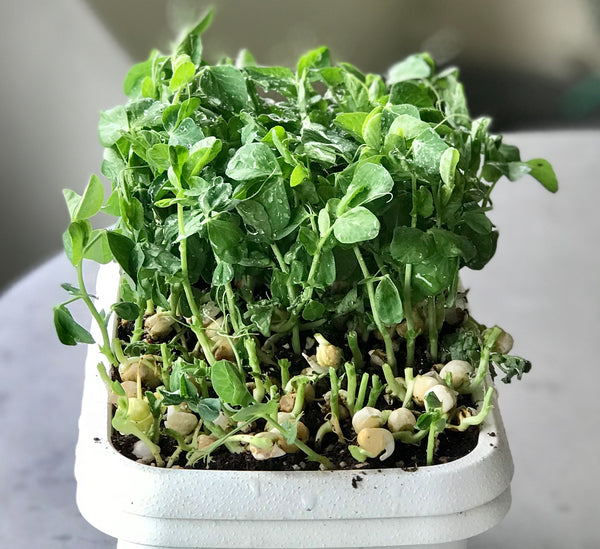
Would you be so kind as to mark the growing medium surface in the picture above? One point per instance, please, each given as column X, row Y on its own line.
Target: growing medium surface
column 290, row 243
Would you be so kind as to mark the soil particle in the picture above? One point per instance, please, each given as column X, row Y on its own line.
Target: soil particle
column 355, row 480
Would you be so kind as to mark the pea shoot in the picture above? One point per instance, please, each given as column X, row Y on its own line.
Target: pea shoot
column 286, row 233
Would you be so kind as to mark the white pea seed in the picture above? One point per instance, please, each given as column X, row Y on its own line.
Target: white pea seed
column 459, row 371
column 130, row 388
column 302, row 432
column 204, row 441
column 159, row 325
column 367, row 417
column 274, row 451
column 445, row 395
column 375, row 440
column 328, row 355
column 401, row 419
column 504, row 343
column 286, row 402
column 145, row 367
column 422, row 384
column 142, row 452
column 223, row 421
column 181, row 422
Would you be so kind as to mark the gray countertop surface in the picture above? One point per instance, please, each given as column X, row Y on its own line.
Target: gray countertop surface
column 543, row 286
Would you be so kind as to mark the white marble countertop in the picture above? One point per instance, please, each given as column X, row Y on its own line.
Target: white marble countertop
column 543, row 286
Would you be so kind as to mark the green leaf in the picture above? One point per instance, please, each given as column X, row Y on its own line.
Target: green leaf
column 314, row 59
column 75, row 239
column 274, row 200
column 424, row 202
column 432, row 402
column 510, row 365
column 428, row 149
column 187, row 134
column 97, row 248
column 542, row 171
column 408, row 126
column 326, row 271
column 352, row 122
column 452, row 94
column 356, row 225
column 223, row 274
column 183, row 72
column 298, row 176
column 323, row 221
column 191, row 44
column 434, row 275
column 72, row 290
column 253, row 161
column 256, row 411
column 226, row 239
column 478, row 221
column 126, row 310
column 314, row 310
column 113, row 164
column 113, row 124
column 159, row 158
column 484, row 244
column 321, row 152
column 371, row 130
column 214, row 196
column 200, row 155
column 133, row 81
column 207, row 408
column 279, row 79
column 370, row 181
column 448, row 163
column 349, row 302
column 224, row 88
column 411, row 68
column 411, row 245
column 412, row 93
column 387, row 302
column 126, row 253
column 449, row 244
column 260, row 315
column 68, row 331
column 309, row 239
column 228, row 385
column 88, row 205
column 255, row 218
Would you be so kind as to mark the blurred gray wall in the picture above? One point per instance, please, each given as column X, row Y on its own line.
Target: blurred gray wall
column 59, row 67
column 63, row 61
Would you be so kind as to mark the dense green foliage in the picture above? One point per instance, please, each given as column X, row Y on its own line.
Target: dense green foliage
column 318, row 199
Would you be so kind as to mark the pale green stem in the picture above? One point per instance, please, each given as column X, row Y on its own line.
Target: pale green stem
column 385, row 334
column 362, row 392
column 431, row 443
column 105, row 348
column 351, row 386
column 432, row 325
column 196, row 323
column 292, row 297
column 410, row 383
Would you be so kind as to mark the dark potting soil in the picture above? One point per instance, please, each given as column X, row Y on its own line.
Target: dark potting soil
column 451, row 445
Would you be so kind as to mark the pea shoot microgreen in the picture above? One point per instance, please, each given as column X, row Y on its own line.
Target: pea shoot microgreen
column 260, row 207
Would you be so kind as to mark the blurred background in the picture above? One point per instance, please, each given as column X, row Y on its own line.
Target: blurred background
column 530, row 65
